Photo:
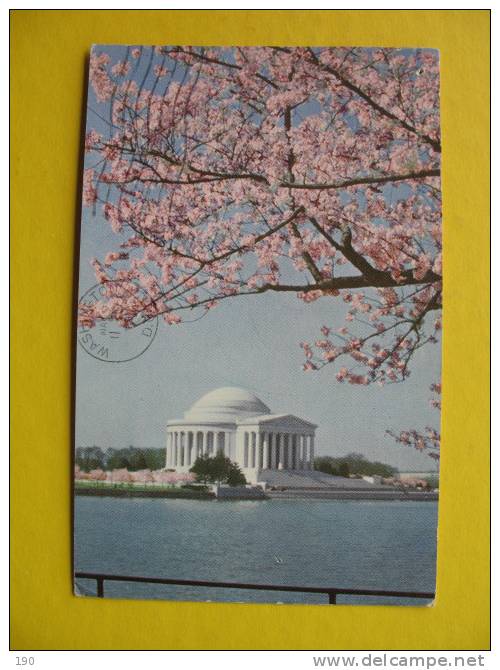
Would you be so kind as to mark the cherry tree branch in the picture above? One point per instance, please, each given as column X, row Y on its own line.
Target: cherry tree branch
column 358, row 181
column 436, row 145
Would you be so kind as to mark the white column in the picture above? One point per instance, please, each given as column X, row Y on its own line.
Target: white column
column 227, row 444
column 194, row 451
column 204, row 443
column 254, row 449
column 265, row 452
column 246, row 450
column 312, row 452
column 191, row 447
column 272, row 445
column 302, row 452
column 279, row 449
column 176, row 448
column 286, row 451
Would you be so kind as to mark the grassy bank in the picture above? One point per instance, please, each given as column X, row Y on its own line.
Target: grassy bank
column 86, row 488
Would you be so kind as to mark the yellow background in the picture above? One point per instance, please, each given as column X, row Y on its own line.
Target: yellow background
column 49, row 49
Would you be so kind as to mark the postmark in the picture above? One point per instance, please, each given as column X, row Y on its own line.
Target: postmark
column 110, row 342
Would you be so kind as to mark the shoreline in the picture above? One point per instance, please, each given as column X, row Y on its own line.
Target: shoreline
column 141, row 493
column 372, row 495
column 326, row 494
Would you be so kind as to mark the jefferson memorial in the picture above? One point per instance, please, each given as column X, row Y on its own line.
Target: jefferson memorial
column 237, row 423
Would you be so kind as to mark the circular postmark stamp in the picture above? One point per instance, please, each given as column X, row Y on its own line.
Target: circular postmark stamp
column 107, row 340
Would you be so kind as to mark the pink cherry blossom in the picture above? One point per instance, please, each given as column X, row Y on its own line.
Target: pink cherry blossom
column 120, row 476
column 257, row 170
column 142, row 476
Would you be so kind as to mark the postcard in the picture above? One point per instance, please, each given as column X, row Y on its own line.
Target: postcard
column 259, row 326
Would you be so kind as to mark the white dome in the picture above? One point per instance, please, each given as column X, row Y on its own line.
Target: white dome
column 226, row 404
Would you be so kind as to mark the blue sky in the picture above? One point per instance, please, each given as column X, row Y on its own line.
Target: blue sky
column 251, row 342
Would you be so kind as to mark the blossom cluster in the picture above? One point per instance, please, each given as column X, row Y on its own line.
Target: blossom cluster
column 122, row 475
column 224, row 172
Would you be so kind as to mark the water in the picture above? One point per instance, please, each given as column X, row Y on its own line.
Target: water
column 352, row 544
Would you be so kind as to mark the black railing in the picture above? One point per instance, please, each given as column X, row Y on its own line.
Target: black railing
column 331, row 592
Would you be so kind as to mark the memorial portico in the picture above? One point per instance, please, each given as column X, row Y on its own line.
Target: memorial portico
column 238, row 424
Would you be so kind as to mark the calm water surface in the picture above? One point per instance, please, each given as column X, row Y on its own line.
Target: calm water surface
column 351, row 544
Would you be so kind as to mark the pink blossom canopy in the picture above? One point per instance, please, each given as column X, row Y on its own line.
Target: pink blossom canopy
column 225, row 172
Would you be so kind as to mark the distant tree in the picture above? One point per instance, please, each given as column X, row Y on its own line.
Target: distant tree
column 360, row 465
column 202, row 469
column 235, row 476
column 137, row 459
column 325, row 464
column 344, row 469
column 118, row 460
column 155, row 458
column 108, row 455
column 89, row 458
column 432, row 481
column 382, row 469
column 134, row 458
column 217, row 469
column 353, row 463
